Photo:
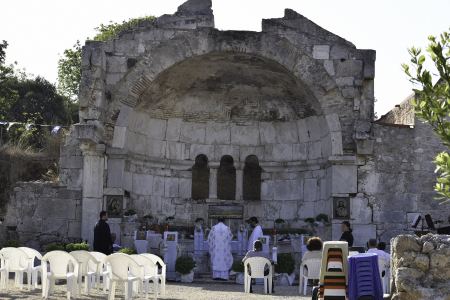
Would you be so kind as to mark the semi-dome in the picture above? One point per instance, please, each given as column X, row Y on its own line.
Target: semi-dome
column 223, row 86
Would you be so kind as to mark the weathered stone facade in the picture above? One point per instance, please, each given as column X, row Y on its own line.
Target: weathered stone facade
column 421, row 267
column 295, row 96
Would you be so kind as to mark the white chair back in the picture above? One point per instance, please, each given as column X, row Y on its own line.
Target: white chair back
column 257, row 266
column 156, row 259
column 15, row 259
column 313, row 265
column 60, row 263
column 122, row 265
column 150, row 268
column 84, row 258
column 32, row 253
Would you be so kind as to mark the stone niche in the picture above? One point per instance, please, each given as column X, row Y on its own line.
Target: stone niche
column 420, row 267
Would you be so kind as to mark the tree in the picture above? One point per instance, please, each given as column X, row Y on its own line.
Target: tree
column 30, row 100
column 432, row 100
column 69, row 66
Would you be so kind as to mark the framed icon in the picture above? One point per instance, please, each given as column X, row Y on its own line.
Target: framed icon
column 341, row 208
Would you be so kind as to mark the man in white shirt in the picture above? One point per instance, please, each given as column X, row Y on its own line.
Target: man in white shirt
column 372, row 248
column 219, row 242
column 256, row 233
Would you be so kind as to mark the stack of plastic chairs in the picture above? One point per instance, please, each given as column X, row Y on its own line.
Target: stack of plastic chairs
column 364, row 277
column 333, row 273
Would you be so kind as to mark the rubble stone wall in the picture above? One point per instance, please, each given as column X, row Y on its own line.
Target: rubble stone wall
column 420, row 267
column 43, row 212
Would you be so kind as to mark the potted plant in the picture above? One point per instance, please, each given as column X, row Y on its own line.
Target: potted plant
column 185, row 265
column 238, row 269
column 130, row 215
column 322, row 220
column 285, row 267
column 128, row 251
column 77, row 246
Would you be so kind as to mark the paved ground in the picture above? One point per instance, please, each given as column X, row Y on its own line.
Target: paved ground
column 194, row 291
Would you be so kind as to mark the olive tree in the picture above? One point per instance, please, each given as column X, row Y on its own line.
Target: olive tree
column 432, row 99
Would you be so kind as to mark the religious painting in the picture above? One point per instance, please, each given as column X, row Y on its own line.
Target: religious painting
column 170, row 237
column 341, row 208
column 114, row 204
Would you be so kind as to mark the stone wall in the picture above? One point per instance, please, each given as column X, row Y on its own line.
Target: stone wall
column 397, row 182
column 43, row 212
column 420, row 267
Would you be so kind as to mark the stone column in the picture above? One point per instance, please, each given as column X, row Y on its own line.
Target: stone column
column 239, row 182
column 212, row 183
column 92, row 202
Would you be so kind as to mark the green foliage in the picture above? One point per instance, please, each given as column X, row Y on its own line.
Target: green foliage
column 77, row 246
column 184, row 265
column 432, row 99
column 54, row 246
column 285, row 263
column 280, row 221
column 113, row 29
column 69, row 72
column 128, row 251
column 69, row 65
column 11, row 243
column 322, row 218
column 238, row 266
column 310, row 220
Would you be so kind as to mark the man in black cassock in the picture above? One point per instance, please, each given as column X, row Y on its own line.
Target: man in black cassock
column 102, row 235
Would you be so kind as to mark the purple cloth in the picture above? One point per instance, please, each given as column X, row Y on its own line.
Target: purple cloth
column 364, row 277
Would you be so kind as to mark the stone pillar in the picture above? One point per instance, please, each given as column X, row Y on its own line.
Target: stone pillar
column 212, row 183
column 92, row 202
column 239, row 182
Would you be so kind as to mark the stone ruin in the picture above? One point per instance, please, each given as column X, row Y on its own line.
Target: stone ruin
column 179, row 119
column 421, row 267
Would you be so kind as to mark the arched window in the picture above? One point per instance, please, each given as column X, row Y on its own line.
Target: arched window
column 226, row 179
column 251, row 183
column 200, row 178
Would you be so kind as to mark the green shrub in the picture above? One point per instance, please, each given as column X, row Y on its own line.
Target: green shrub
column 322, row 218
column 238, row 266
column 184, row 265
column 128, row 251
column 130, row 212
column 310, row 220
column 54, row 246
column 285, row 263
column 11, row 243
column 77, row 246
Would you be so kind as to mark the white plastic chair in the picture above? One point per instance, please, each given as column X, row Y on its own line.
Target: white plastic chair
column 162, row 276
column 257, row 266
column 123, row 269
column 384, row 268
column 62, row 266
column 86, row 269
column 309, row 269
column 15, row 261
column 33, row 270
column 101, row 269
column 3, row 272
column 150, row 273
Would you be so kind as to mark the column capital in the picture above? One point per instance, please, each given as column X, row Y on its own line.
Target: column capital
column 92, row 149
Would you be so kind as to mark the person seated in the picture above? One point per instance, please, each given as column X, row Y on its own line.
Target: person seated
column 314, row 247
column 372, row 248
column 257, row 252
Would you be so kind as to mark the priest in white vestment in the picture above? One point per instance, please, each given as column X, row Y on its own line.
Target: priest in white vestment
column 219, row 242
column 256, row 233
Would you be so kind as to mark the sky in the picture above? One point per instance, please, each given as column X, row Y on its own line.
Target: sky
column 38, row 31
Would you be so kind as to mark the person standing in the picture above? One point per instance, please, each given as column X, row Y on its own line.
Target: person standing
column 102, row 235
column 347, row 235
column 256, row 233
column 219, row 242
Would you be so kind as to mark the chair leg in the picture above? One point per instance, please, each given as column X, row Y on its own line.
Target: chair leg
column 112, row 290
column 305, row 283
column 270, row 281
